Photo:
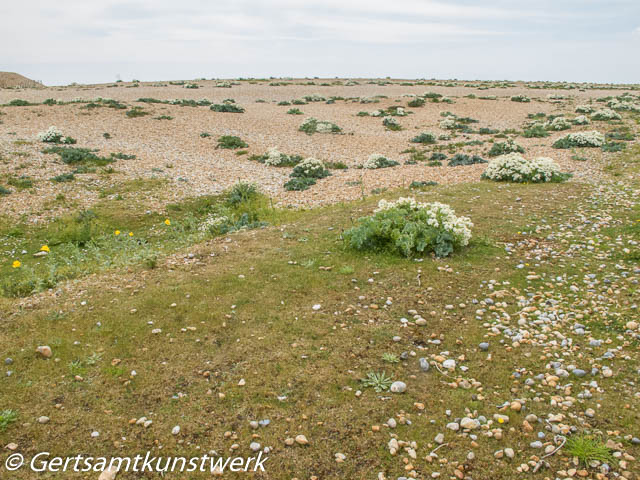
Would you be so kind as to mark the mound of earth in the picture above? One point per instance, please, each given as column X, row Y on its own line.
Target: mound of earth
column 12, row 80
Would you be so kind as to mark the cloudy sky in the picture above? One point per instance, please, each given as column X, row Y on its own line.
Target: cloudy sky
column 64, row 41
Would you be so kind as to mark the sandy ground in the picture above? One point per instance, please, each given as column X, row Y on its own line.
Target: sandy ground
column 173, row 149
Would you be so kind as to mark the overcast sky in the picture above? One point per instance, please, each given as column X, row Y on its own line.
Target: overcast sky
column 85, row 41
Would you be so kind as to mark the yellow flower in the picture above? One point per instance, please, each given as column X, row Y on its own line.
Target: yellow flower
column 167, row 222
column 131, row 234
column 500, row 420
column 117, row 232
column 16, row 264
column 44, row 248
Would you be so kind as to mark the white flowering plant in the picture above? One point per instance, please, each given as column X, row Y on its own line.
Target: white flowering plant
column 580, row 139
column 377, row 160
column 584, row 109
column 391, row 123
column 581, row 120
column 520, row 98
column 305, row 174
column 558, row 124
column 513, row 167
column 275, row 158
column 312, row 125
column 502, row 148
column 605, row 114
column 53, row 135
column 409, row 228
column 448, row 124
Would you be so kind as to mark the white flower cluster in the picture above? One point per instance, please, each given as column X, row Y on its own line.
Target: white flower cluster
column 520, row 98
column 314, row 97
column 581, row 120
column 377, row 113
column 559, row 123
column 584, row 109
column 324, row 127
column 274, row 157
column 377, row 160
column 592, row 138
column 390, row 122
column 212, row 222
column 627, row 105
column 605, row 114
column 513, row 167
column 440, row 215
column 51, row 135
column 400, row 112
column 311, row 167
column 448, row 124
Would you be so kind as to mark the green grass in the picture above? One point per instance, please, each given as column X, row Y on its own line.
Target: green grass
column 588, row 449
column 243, row 310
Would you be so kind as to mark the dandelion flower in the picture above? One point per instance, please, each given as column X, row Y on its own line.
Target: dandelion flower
column 167, row 222
column 44, row 248
column 16, row 264
column 117, row 232
column 131, row 234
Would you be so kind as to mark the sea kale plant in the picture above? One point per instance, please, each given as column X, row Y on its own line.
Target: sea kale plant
column 305, row 174
column 410, row 228
column 377, row 160
column 312, row 125
column 580, row 139
column 513, row 167
column 53, row 135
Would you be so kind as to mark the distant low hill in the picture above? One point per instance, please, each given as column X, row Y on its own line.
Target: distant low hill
column 12, row 80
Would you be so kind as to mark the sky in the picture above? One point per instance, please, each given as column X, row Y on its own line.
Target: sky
column 84, row 41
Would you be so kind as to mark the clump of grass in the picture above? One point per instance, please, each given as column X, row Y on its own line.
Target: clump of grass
column 64, row 177
column 230, row 142
column 378, row 381
column 587, row 449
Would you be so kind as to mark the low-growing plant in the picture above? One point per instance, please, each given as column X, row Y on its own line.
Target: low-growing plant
column 231, row 142
column 136, row 112
column 535, row 131
column 513, row 167
column 377, row 160
column 226, row 108
column 391, row 123
column 295, row 111
column 580, row 139
column 520, row 98
column 380, row 382
column 588, row 449
column 409, row 228
column 426, row 138
column 502, row 148
column 7, row 417
column 461, row 159
column 312, row 125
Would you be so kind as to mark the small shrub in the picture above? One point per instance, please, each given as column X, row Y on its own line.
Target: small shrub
column 416, row 102
column 410, row 228
column 295, row 111
column 559, row 124
column 242, row 192
column 231, row 142
column 520, row 98
column 4, row 191
column 611, row 147
column 74, row 156
column 53, row 135
column 275, row 158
